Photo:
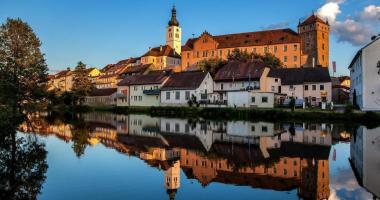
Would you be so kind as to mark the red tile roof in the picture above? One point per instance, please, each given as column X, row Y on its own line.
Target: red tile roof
column 103, row 92
column 259, row 38
column 165, row 50
column 184, row 80
column 312, row 19
column 138, row 69
column 240, row 71
column 153, row 77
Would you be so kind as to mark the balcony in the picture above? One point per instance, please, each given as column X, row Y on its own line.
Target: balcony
column 151, row 92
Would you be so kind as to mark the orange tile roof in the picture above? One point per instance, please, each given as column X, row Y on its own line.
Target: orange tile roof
column 259, row 38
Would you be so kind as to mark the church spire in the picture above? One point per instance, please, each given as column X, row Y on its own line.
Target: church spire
column 173, row 21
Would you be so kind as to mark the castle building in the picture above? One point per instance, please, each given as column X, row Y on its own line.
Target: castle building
column 307, row 48
column 314, row 33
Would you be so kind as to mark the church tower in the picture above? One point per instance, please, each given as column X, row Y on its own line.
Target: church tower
column 174, row 33
column 314, row 34
column 172, row 179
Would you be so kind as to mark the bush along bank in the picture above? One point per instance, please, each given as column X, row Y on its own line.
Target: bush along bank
column 366, row 118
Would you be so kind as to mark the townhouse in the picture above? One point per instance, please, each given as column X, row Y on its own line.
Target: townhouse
column 312, row 85
column 365, row 77
column 182, row 87
column 142, row 90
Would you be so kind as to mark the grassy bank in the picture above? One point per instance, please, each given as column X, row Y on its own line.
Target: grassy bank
column 276, row 114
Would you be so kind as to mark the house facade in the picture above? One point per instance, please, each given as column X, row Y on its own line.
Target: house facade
column 184, row 86
column 239, row 76
column 102, row 97
column 365, row 77
column 313, row 85
column 142, row 90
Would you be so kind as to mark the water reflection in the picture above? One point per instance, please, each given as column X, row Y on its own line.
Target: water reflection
column 365, row 158
column 22, row 163
column 262, row 155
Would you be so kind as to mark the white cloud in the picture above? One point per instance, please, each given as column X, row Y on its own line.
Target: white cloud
column 371, row 13
column 330, row 11
column 356, row 30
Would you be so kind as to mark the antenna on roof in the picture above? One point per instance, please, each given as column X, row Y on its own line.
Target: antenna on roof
column 193, row 35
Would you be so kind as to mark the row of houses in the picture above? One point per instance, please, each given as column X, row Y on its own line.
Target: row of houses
column 236, row 84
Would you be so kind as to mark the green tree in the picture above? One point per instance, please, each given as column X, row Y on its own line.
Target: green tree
column 236, row 54
column 81, row 135
column 82, row 85
column 269, row 60
column 212, row 65
column 23, row 72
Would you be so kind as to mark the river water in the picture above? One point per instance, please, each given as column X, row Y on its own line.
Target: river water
column 107, row 156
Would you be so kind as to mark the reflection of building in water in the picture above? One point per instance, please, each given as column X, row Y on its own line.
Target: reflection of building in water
column 257, row 154
column 365, row 158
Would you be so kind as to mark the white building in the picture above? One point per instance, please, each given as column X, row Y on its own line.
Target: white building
column 184, row 86
column 313, row 85
column 247, row 99
column 102, row 97
column 240, row 76
column 365, row 77
column 142, row 90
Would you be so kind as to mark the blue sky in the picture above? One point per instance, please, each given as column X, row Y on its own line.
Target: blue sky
column 100, row 32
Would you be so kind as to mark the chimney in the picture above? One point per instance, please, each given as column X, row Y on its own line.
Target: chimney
column 150, row 48
column 160, row 47
column 313, row 62
column 68, row 69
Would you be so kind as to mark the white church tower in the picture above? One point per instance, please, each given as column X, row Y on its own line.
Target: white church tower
column 174, row 33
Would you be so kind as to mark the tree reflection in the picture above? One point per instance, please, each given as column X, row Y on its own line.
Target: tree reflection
column 81, row 136
column 22, row 161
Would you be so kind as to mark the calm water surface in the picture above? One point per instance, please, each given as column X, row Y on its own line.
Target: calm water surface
column 107, row 156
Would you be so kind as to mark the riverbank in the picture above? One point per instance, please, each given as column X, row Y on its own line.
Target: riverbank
column 275, row 114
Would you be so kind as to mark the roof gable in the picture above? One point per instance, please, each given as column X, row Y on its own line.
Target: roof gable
column 240, row 71
column 297, row 76
column 185, row 80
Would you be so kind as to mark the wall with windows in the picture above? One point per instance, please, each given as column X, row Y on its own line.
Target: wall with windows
column 250, row 99
column 138, row 98
column 206, row 48
column 180, row 97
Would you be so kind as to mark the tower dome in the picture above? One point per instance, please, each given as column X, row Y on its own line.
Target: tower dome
column 173, row 21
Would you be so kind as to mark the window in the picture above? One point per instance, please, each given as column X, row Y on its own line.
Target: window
column 321, row 87
column 253, row 99
column 295, row 47
column 323, row 46
column 254, row 50
column 187, row 95
column 264, row 99
column 167, row 95
column 272, row 88
column 188, row 55
column 275, row 80
column 291, row 87
column 285, row 58
column 221, row 86
column 314, row 87
column 197, row 54
column 266, row 49
column 177, row 95
column 321, row 140
column 264, row 129
column 205, row 53
column 306, row 87
column 295, row 58
column 285, row 48
column 253, row 128
column 187, row 128
column 167, row 127
column 220, row 52
column 275, row 49
column 176, row 127
column 212, row 53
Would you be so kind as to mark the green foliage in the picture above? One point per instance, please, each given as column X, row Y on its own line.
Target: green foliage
column 268, row 59
column 23, row 72
column 212, row 65
column 82, row 85
column 349, row 108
